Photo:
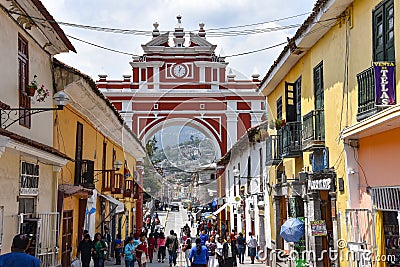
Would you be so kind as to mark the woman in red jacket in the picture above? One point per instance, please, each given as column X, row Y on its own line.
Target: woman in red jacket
column 152, row 245
column 141, row 251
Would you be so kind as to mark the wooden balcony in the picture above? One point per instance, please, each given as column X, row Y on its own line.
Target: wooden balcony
column 314, row 130
column 112, row 182
column 366, row 94
column 274, row 150
column 290, row 136
column 128, row 189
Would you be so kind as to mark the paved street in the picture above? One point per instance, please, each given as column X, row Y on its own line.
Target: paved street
column 175, row 220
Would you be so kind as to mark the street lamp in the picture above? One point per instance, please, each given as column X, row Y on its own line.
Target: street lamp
column 9, row 116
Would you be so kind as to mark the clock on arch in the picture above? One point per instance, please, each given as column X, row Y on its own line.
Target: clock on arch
column 179, row 70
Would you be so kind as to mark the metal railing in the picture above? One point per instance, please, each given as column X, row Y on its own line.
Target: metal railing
column 291, row 139
column 86, row 178
column 386, row 198
column 46, row 245
column 366, row 93
column 274, row 153
column 314, row 128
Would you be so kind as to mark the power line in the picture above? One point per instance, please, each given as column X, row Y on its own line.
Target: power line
column 210, row 32
column 102, row 47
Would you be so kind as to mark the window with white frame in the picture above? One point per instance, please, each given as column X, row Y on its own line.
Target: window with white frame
column 29, row 179
column 202, row 106
column 155, row 106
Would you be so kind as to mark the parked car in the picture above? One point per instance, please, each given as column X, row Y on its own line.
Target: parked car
column 174, row 206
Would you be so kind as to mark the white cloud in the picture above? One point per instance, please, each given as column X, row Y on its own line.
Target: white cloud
column 141, row 15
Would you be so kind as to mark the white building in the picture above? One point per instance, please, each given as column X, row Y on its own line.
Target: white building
column 247, row 190
column 28, row 164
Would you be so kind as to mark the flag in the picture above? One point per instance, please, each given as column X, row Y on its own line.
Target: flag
column 127, row 173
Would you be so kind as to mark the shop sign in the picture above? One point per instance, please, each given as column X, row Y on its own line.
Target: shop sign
column 318, row 228
column 384, row 83
column 29, row 191
column 321, row 184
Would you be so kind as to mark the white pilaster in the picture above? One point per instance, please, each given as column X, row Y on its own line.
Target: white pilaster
column 231, row 128
column 156, row 77
column 256, row 118
column 202, row 71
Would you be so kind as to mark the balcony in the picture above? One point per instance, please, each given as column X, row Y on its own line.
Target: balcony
column 366, row 94
column 86, row 178
column 290, row 136
column 274, row 153
column 128, row 189
column 314, row 130
column 112, row 182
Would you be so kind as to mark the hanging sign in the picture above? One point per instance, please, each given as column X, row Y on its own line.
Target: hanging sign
column 321, row 184
column 384, row 83
column 318, row 228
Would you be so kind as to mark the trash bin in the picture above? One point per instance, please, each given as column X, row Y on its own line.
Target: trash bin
column 300, row 263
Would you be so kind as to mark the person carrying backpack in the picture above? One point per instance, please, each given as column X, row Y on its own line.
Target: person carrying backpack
column 172, row 245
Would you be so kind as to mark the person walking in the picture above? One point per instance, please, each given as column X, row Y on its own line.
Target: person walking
column 172, row 245
column 152, row 245
column 18, row 256
column 99, row 246
column 203, row 237
column 141, row 251
column 218, row 251
column 161, row 241
column 212, row 246
column 85, row 250
column 118, row 246
column 229, row 252
column 199, row 256
column 186, row 247
column 252, row 246
column 241, row 243
column 129, row 252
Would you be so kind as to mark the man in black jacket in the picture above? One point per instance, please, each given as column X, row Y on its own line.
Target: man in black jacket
column 229, row 253
column 85, row 250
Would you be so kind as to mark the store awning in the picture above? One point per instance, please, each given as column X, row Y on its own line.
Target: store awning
column 120, row 206
column 68, row 189
column 220, row 209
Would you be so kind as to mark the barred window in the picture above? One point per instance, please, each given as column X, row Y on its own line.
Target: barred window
column 29, row 178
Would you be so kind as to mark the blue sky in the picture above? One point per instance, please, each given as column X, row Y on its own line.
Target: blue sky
column 141, row 15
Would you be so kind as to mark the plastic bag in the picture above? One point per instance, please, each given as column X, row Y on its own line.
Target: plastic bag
column 143, row 258
column 76, row 262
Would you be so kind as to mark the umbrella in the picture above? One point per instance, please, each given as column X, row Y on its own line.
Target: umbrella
column 292, row 230
column 210, row 216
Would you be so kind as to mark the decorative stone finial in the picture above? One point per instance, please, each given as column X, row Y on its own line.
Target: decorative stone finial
column 156, row 32
column 179, row 33
column 202, row 32
column 179, row 18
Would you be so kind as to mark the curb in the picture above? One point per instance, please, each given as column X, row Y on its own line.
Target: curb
column 166, row 219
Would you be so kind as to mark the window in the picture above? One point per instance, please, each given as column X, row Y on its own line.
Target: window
column 29, row 179
column 279, row 108
column 26, row 206
column 78, row 152
column 23, row 67
column 319, row 86
column 155, row 106
column 383, row 31
column 202, row 106
column 297, row 86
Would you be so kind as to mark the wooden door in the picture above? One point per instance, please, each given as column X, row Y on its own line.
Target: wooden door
column 66, row 246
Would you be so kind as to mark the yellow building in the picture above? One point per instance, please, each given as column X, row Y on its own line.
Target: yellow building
column 96, row 189
column 320, row 85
